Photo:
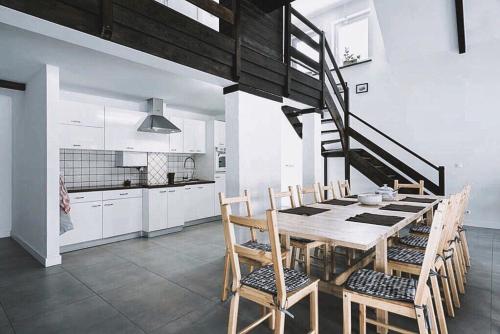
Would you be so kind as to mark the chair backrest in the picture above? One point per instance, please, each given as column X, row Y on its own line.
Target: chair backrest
column 344, row 188
column 419, row 187
column 314, row 190
column 245, row 199
column 323, row 191
column 450, row 222
column 431, row 250
column 268, row 225
column 465, row 203
column 273, row 196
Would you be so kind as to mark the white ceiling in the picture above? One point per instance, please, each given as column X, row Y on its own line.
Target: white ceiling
column 313, row 7
column 23, row 53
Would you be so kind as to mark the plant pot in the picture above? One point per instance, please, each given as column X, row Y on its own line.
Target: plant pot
column 349, row 62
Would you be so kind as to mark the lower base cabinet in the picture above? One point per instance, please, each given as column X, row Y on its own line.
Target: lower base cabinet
column 87, row 223
column 121, row 216
column 199, row 201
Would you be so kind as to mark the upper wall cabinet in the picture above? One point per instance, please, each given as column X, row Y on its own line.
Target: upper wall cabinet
column 219, row 134
column 194, row 136
column 177, row 139
column 122, row 135
column 82, row 114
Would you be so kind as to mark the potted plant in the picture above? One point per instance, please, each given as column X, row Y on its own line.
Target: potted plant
column 350, row 58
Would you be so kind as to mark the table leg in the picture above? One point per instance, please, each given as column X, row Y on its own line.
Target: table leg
column 429, row 216
column 381, row 265
column 288, row 249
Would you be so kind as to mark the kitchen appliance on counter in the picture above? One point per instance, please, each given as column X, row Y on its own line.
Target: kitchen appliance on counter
column 171, row 178
column 388, row 194
column 220, row 159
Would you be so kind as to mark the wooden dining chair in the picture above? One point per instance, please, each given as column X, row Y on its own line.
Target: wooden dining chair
column 253, row 243
column 344, row 188
column 312, row 190
column 304, row 247
column 400, row 295
column 409, row 260
column 418, row 187
column 324, row 190
column 273, row 287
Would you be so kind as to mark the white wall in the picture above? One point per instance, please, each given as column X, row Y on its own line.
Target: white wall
column 423, row 93
column 36, row 169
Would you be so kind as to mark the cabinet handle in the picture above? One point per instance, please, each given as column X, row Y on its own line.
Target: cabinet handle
column 129, row 148
column 188, row 188
column 173, row 191
column 201, row 187
column 123, row 194
column 162, row 192
column 76, row 122
column 108, row 204
column 80, row 197
column 173, row 150
column 96, row 206
column 76, row 145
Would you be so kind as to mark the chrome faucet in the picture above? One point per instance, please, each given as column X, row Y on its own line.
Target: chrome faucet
column 193, row 168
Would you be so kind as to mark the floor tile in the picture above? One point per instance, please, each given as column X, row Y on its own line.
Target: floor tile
column 44, row 294
column 89, row 257
column 74, row 318
column 151, row 306
column 469, row 323
column 495, row 327
column 7, row 329
column 3, row 318
column 103, row 276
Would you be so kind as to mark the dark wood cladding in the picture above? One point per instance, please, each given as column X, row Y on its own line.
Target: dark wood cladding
column 12, row 85
column 151, row 27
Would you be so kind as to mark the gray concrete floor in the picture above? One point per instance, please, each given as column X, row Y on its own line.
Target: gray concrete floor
column 171, row 284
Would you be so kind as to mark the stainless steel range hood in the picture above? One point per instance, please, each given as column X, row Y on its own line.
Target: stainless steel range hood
column 155, row 121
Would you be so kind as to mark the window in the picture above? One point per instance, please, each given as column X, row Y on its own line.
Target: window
column 351, row 40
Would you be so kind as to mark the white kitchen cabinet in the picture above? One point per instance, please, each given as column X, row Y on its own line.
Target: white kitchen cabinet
column 175, row 205
column 121, row 216
column 219, row 187
column 199, row 201
column 177, row 139
column 82, row 114
column 155, row 214
column 219, row 134
column 122, row 135
column 183, row 7
column 194, row 136
column 87, row 222
column 81, row 137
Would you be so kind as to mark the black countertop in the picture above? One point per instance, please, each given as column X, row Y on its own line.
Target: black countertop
column 177, row 184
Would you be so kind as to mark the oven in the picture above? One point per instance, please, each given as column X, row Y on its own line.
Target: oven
column 220, row 159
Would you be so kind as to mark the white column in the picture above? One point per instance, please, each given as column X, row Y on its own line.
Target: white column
column 311, row 141
column 36, row 169
column 253, row 147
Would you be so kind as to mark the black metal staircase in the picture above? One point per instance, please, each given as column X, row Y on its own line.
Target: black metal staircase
column 368, row 157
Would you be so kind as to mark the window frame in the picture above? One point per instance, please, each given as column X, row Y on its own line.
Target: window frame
column 359, row 16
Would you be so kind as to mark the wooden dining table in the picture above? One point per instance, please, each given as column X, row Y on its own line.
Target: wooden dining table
column 334, row 228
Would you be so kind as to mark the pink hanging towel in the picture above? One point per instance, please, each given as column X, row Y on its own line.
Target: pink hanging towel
column 63, row 197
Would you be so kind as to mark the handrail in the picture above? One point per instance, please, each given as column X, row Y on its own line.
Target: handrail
column 394, row 141
column 305, row 21
column 335, row 66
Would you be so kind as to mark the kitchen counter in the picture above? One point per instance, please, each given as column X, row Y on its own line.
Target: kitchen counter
column 176, row 184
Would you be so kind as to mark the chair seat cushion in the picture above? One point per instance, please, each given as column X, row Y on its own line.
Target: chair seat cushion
column 257, row 245
column 405, row 255
column 263, row 279
column 414, row 241
column 304, row 241
column 424, row 229
column 377, row 284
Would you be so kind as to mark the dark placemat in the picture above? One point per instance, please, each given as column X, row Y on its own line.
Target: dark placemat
column 338, row 202
column 403, row 208
column 304, row 211
column 418, row 200
column 351, row 196
column 370, row 218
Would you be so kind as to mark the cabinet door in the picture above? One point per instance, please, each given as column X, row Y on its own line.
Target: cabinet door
column 157, row 210
column 122, row 134
column 122, row 216
column 194, row 136
column 190, row 203
column 177, row 139
column 220, row 187
column 87, row 223
column 219, row 134
column 175, row 207
column 83, row 114
column 204, row 195
column 81, row 137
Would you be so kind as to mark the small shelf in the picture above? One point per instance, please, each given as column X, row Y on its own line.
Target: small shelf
column 358, row 63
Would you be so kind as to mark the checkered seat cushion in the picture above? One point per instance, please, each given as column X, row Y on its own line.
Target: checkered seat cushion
column 257, row 245
column 423, row 229
column 414, row 241
column 377, row 284
column 405, row 255
column 263, row 279
column 305, row 241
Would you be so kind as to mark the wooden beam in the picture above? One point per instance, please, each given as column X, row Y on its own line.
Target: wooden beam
column 215, row 9
column 253, row 91
column 459, row 8
column 107, row 19
column 12, row 85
